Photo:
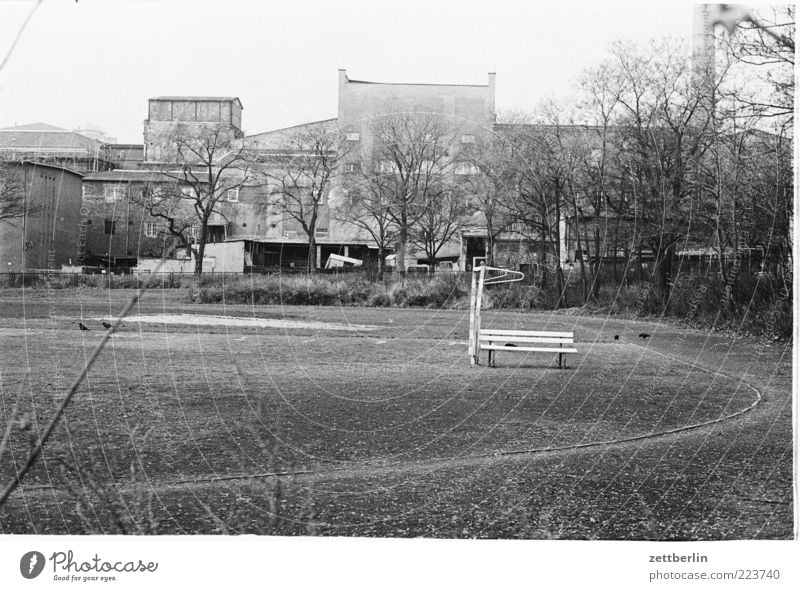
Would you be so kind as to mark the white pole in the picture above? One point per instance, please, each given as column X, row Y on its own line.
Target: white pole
column 478, row 300
column 472, row 333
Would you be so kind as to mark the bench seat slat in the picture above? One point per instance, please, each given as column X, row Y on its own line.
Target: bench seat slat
column 534, row 349
column 526, row 333
column 511, row 339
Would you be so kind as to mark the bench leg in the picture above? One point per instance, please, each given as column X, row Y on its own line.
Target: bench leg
column 559, row 360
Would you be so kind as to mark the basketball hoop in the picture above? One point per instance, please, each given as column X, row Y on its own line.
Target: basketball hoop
column 479, row 280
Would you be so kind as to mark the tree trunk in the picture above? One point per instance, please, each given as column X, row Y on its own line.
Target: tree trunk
column 598, row 259
column 489, row 243
column 400, row 259
column 312, row 253
column 614, row 258
column 381, row 258
column 665, row 273
column 639, row 259
column 579, row 247
column 559, row 270
column 198, row 266
column 583, row 267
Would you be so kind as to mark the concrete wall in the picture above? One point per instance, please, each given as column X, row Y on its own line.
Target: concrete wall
column 225, row 257
column 468, row 109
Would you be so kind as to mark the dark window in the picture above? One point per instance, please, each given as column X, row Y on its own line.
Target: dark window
column 111, row 227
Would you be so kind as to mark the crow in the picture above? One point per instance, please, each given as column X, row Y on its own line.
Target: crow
column 616, row 337
column 81, row 326
column 644, row 335
column 106, row 325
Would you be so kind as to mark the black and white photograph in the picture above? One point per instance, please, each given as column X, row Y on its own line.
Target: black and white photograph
column 359, row 290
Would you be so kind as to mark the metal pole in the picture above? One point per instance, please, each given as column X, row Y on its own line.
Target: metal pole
column 478, row 300
column 472, row 297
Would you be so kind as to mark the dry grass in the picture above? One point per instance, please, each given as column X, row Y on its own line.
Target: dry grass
column 367, row 434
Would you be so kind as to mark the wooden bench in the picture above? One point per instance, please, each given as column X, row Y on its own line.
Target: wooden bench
column 519, row 341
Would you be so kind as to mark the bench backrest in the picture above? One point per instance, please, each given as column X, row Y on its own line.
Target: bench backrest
column 525, row 336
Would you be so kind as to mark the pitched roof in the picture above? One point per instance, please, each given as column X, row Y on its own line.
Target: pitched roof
column 33, row 127
column 120, row 176
column 327, row 123
column 41, row 137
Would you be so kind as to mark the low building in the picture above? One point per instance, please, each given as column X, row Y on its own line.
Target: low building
column 48, row 233
column 118, row 228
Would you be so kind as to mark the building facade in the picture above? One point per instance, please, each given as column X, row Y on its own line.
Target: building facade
column 48, row 233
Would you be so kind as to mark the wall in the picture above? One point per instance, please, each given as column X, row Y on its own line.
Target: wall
column 129, row 238
column 47, row 238
column 225, row 257
column 192, row 113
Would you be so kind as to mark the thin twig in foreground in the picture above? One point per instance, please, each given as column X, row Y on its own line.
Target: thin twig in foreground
column 37, row 450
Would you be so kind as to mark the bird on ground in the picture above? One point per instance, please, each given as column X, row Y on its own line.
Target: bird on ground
column 644, row 335
column 82, row 326
column 616, row 337
column 106, row 325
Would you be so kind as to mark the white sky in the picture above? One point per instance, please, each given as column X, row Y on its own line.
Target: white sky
column 98, row 62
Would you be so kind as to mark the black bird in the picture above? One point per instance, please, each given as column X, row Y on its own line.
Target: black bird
column 81, row 326
column 616, row 337
column 106, row 325
column 644, row 335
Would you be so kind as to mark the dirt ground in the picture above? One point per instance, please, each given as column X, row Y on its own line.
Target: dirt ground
column 352, row 421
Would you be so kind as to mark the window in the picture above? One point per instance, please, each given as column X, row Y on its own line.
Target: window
column 233, row 195
column 353, row 195
column 352, row 167
column 320, row 231
column 113, row 192
column 464, row 168
column 388, row 166
column 467, row 139
column 111, row 227
column 150, row 229
column 192, row 231
column 154, row 195
column 353, row 136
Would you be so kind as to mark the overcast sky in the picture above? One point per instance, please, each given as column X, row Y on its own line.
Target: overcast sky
column 91, row 62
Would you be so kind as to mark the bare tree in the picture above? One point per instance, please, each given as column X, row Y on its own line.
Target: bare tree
column 665, row 127
column 366, row 205
column 162, row 201
column 763, row 43
column 490, row 186
column 543, row 172
column 302, row 177
column 12, row 193
column 441, row 210
column 211, row 165
column 409, row 155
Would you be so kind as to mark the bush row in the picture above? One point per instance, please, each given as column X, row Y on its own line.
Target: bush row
column 753, row 303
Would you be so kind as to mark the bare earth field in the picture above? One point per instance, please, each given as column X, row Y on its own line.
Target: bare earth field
column 371, row 422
